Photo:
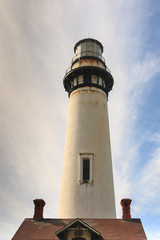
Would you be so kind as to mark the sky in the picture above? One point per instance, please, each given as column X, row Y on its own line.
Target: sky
column 37, row 38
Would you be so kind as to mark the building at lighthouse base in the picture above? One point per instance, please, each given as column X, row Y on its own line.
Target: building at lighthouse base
column 40, row 228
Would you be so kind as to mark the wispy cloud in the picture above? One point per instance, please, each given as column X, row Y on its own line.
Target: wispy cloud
column 36, row 47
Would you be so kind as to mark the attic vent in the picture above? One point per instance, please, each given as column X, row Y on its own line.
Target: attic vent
column 78, row 238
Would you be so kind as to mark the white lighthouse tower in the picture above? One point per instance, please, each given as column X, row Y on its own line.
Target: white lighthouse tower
column 87, row 189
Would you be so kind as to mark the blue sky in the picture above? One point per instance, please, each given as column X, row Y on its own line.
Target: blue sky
column 36, row 45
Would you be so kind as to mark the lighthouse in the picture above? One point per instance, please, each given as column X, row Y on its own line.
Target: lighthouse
column 87, row 204
column 87, row 189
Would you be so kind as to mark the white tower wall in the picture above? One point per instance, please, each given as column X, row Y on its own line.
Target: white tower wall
column 87, row 132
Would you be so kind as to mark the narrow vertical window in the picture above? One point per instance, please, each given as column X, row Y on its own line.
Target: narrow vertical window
column 86, row 169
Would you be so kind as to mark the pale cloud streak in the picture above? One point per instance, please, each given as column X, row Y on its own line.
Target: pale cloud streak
column 37, row 46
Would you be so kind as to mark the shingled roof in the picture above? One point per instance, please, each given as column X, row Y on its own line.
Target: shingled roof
column 109, row 229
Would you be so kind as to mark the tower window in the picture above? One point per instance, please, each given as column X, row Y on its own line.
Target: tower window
column 100, row 81
column 86, row 168
column 72, row 84
column 94, row 79
column 75, row 81
column 80, row 79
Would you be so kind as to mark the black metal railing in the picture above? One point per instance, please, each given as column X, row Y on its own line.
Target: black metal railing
column 70, row 69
